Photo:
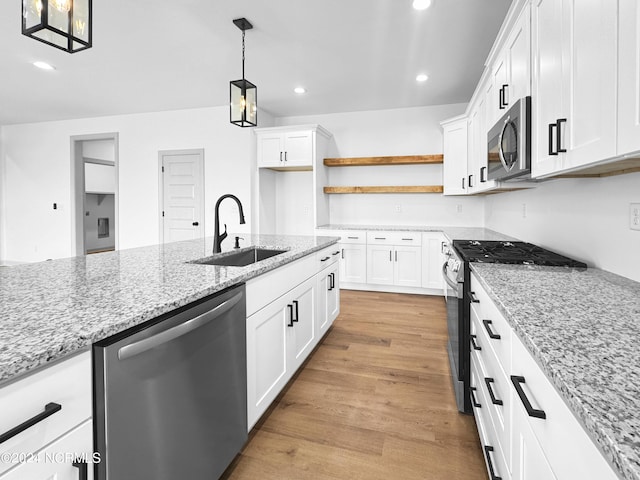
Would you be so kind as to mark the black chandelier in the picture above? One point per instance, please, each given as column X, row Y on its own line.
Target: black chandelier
column 243, row 94
column 64, row 24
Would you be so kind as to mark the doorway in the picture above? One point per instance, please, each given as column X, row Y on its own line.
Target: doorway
column 95, row 193
column 181, row 187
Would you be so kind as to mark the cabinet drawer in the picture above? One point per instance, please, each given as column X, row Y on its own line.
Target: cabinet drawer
column 492, row 324
column 327, row 256
column 346, row 236
column 67, row 384
column 394, row 238
column 569, row 449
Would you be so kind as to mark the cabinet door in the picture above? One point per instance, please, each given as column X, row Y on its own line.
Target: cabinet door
column 267, row 371
column 407, row 269
column 547, row 85
column 473, row 150
column 455, row 158
column 500, row 86
column 353, row 263
column 270, row 150
column 301, row 332
column 56, row 461
column 328, row 292
column 298, row 149
column 589, row 53
column 518, row 59
column 380, row 264
column 629, row 77
column 432, row 260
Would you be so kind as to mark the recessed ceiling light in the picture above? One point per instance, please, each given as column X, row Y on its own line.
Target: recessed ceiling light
column 300, row 90
column 422, row 78
column 44, row 65
column 421, row 4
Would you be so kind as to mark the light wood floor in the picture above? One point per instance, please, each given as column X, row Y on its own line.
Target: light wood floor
column 374, row 401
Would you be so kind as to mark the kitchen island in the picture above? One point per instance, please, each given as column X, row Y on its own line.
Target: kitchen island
column 581, row 328
column 53, row 309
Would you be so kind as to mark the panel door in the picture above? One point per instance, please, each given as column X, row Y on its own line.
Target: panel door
column 432, row 260
column 267, row 371
column 590, row 54
column 353, row 263
column 455, row 158
column 302, row 336
column 328, row 304
column 182, row 175
column 380, row 264
column 333, row 300
column 407, row 271
column 500, row 87
column 298, row 147
column 547, row 87
column 629, row 77
column 270, row 150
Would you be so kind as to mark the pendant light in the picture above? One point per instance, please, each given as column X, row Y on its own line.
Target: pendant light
column 243, row 94
column 64, row 24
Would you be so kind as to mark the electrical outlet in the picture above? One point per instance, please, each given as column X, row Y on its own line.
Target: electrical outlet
column 524, row 210
column 398, row 208
column 634, row 216
column 459, row 208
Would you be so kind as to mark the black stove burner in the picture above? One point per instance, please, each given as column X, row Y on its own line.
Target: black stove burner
column 512, row 252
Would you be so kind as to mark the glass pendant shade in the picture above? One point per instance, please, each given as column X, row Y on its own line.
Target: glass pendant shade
column 64, row 24
column 244, row 103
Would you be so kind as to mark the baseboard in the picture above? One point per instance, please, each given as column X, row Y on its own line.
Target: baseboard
column 391, row 289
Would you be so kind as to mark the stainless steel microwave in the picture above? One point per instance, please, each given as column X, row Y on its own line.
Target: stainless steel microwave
column 509, row 144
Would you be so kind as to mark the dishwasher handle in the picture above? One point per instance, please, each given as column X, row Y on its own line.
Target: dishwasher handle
column 142, row 346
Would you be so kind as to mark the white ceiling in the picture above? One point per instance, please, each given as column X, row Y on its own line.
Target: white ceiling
column 153, row 55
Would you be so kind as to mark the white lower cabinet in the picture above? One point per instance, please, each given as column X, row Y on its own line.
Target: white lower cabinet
column 380, row 264
column 394, row 265
column 328, row 292
column 531, row 431
column 432, row 260
column 353, row 263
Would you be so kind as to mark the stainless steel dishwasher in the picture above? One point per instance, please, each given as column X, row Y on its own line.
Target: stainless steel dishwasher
column 170, row 397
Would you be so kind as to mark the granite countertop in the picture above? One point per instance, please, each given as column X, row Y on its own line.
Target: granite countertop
column 453, row 233
column 53, row 309
column 582, row 327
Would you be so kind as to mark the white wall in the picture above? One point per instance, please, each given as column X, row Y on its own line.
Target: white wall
column 408, row 131
column 99, row 178
column 586, row 219
column 37, row 160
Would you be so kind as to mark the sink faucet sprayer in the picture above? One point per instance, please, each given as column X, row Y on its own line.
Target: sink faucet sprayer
column 217, row 236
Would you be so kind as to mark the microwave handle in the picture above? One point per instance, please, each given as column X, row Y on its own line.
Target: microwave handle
column 500, row 150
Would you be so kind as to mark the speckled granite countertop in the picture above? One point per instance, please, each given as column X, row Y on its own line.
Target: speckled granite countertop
column 582, row 327
column 453, row 233
column 52, row 309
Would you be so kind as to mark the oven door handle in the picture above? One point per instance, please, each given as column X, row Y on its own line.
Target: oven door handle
column 453, row 285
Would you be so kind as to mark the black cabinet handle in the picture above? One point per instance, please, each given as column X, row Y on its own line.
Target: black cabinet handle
column 551, row 127
column 474, row 344
column 290, row 307
column 469, row 182
column 487, row 325
column 396, row 255
column 408, row 239
column 483, row 174
column 280, row 156
column 494, row 400
column 559, row 123
column 295, row 302
column 335, row 253
column 504, row 95
column 332, row 277
column 501, row 103
column 342, row 254
column 353, row 238
column 380, row 238
column 83, row 469
column 472, row 297
column 463, row 179
column 195, row 224
column 285, row 156
column 324, row 259
column 517, row 381
column 487, row 450
column 390, row 257
column 474, row 402
column 49, row 409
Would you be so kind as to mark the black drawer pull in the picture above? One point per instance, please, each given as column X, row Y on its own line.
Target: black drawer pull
column 474, row 402
column 49, row 409
column 551, row 127
column 483, row 174
column 472, row 297
column 335, row 253
column 380, row 238
column 324, row 259
column 487, row 450
column 559, row 123
column 491, row 333
column 517, row 381
column 295, row 302
column 353, row 238
column 474, row 344
column 290, row 307
column 408, row 239
column 494, row 400
column 83, row 469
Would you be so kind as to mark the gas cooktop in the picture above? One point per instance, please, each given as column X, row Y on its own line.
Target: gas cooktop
column 512, row 252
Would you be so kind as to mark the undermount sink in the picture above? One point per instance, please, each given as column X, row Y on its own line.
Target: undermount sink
column 241, row 258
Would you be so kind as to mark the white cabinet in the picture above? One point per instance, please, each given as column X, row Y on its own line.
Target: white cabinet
column 407, row 266
column 353, row 263
column 59, row 396
column 282, row 149
column 380, row 264
column 455, row 156
column 432, row 260
column 574, row 84
column 529, row 462
column 394, row 258
column 628, row 77
column 328, row 298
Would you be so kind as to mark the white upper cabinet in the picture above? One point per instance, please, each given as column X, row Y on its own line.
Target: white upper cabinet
column 629, row 77
column 455, row 156
column 283, row 148
column 574, row 84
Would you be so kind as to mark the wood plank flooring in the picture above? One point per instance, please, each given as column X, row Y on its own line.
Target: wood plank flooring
column 374, row 401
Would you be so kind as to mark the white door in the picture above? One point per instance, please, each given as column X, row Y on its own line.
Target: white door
column 353, row 264
column 408, row 266
column 182, row 194
column 298, row 149
column 270, row 150
column 432, row 260
column 302, row 335
column 380, row 264
column 455, row 157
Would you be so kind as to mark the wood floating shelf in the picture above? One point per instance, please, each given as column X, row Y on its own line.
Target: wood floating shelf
column 372, row 161
column 388, row 189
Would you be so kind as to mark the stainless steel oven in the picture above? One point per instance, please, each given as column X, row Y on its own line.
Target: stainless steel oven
column 509, row 144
